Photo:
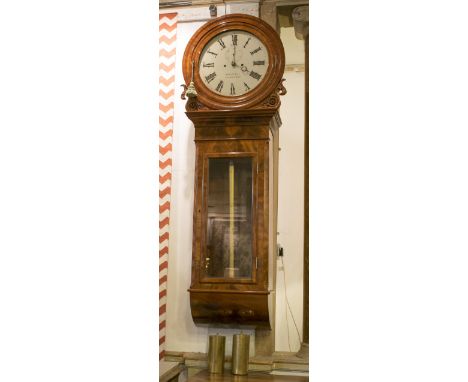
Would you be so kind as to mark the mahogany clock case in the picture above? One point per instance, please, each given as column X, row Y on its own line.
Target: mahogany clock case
column 241, row 300
column 239, row 129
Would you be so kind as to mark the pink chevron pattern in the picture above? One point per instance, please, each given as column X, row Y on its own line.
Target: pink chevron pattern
column 167, row 60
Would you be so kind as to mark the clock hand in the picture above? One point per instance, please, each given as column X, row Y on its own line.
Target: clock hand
column 233, row 63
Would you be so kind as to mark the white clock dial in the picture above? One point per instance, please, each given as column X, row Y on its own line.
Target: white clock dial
column 233, row 63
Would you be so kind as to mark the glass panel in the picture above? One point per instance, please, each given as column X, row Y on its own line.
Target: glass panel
column 229, row 224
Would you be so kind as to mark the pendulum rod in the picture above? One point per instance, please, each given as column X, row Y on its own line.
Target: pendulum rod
column 231, row 219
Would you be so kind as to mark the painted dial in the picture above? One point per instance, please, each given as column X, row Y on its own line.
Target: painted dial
column 233, row 63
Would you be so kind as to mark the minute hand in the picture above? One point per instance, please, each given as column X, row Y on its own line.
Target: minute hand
column 233, row 63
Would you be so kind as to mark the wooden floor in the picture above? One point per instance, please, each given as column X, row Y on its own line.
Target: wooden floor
column 252, row 376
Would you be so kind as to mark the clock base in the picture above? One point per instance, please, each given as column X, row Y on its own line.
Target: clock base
column 230, row 308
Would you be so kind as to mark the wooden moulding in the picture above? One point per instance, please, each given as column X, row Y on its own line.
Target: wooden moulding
column 248, row 118
column 236, row 126
column 230, row 308
column 237, row 132
column 232, row 125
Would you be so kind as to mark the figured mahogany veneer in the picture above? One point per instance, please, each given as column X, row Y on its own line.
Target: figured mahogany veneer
column 230, row 308
column 224, row 301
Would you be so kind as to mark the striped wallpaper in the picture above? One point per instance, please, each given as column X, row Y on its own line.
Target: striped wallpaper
column 167, row 60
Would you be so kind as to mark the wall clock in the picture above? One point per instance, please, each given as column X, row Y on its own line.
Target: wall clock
column 236, row 63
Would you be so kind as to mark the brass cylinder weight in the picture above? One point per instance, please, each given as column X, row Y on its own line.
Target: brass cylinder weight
column 240, row 354
column 216, row 350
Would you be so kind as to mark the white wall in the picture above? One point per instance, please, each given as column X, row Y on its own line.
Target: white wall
column 181, row 333
column 290, row 212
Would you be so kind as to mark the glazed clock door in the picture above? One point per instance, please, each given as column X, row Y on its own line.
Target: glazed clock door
column 229, row 250
column 230, row 224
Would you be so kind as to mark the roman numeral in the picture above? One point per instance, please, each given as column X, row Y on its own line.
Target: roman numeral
column 220, row 86
column 259, row 62
column 246, row 86
column 247, row 42
column 209, row 65
column 255, row 75
column 255, row 50
column 233, row 89
column 210, row 77
column 221, row 42
column 234, row 39
column 213, row 53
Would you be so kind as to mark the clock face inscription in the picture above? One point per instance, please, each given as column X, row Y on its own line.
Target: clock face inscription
column 233, row 63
